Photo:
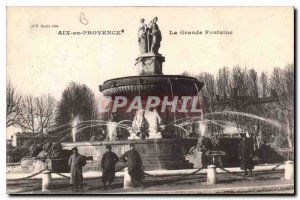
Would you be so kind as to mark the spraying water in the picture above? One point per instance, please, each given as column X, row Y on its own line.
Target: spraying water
column 252, row 116
column 171, row 87
column 111, row 128
column 202, row 127
column 75, row 123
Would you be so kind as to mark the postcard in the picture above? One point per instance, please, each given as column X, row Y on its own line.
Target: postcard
column 150, row 100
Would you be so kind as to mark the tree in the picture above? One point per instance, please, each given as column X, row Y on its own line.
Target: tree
column 13, row 102
column 239, row 81
column 270, row 97
column 77, row 100
column 208, row 91
column 282, row 81
column 264, row 85
column 252, row 83
column 45, row 107
column 186, row 73
column 27, row 118
column 36, row 114
column 224, row 83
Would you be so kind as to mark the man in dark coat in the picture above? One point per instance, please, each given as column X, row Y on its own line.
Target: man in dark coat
column 135, row 166
column 76, row 162
column 108, row 162
column 246, row 154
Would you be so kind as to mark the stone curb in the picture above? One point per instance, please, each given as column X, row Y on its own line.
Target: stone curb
column 11, row 177
column 247, row 189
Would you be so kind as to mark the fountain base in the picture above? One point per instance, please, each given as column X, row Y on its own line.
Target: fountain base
column 156, row 154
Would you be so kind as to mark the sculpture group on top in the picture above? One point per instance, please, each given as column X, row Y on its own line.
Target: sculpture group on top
column 149, row 36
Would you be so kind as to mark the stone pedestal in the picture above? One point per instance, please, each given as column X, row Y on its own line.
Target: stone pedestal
column 127, row 179
column 46, row 181
column 211, row 175
column 150, row 64
column 289, row 170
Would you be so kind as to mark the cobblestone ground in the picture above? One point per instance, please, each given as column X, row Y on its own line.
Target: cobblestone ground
column 154, row 185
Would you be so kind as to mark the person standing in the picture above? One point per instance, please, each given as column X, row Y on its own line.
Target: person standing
column 76, row 162
column 246, row 155
column 135, row 166
column 108, row 162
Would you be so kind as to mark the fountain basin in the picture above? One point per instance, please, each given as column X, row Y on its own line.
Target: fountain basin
column 152, row 85
column 156, row 153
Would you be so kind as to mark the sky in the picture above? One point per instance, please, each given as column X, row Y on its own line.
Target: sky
column 40, row 61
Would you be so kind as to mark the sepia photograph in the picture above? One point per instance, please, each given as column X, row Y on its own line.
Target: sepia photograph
column 150, row 100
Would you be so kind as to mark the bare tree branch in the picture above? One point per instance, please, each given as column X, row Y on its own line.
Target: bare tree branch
column 13, row 101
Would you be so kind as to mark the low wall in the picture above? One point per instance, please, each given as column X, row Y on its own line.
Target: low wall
column 155, row 153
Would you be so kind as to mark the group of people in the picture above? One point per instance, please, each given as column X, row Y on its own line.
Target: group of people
column 135, row 165
column 108, row 163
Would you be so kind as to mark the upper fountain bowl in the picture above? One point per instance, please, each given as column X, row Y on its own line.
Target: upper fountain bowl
column 152, row 85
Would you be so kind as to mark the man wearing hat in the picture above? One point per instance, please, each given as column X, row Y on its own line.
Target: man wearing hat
column 246, row 154
column 135, row 166
column 76, row 162
column 109, row 159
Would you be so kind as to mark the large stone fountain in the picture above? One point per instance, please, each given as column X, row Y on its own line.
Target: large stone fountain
column 161, row 147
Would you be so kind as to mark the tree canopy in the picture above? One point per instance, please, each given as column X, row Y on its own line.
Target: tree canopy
column 77, row 100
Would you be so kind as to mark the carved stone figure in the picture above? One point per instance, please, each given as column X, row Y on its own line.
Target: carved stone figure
column 141, row 125
column 155, row 127
column 156, row 36
column 143, row 37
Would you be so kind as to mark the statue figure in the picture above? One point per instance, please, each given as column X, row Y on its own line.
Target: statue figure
column 140, row 124
column 193, row 130
column 155, row 126
column 155, row 36
column 143, row 37
column 99, row 135
column 149, row 37
column 56, row 150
